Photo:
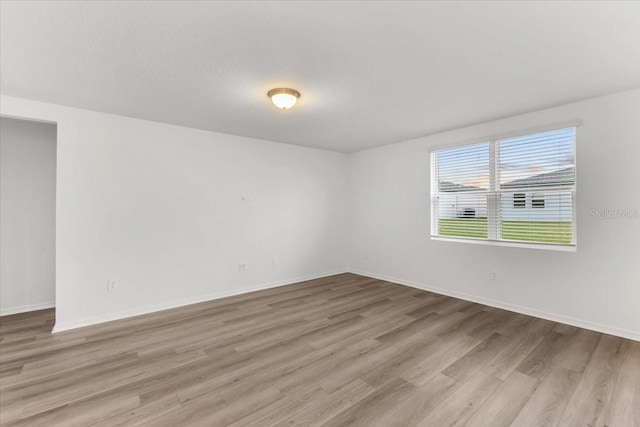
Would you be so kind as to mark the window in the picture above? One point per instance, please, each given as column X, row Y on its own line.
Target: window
column 519, row 190
column 537, row 201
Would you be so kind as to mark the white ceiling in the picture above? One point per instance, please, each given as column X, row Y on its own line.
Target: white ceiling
column 370, row 73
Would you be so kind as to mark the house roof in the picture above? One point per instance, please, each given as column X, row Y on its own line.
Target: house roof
column 451, row 187
column 564, row 176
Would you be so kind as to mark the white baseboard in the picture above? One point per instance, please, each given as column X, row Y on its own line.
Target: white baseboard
column 554, row 317
column 66, row 326
column 25, row 308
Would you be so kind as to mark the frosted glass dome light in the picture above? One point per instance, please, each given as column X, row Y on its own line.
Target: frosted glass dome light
column 284, row 98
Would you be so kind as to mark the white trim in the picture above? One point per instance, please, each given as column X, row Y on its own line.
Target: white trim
column 574, row 193
column 554, row 317
column 28, row 119
column 494, row 225
column 66, row 326
column 515, row 244
column 433, row 193
column 25, row 308
column 575, row 123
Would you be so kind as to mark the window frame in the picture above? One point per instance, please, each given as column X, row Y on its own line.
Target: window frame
column 493, row 198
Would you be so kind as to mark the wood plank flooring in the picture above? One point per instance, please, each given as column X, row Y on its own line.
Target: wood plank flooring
column 342, row 350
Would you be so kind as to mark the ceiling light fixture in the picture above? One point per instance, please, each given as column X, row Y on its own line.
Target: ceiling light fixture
column 284, row 98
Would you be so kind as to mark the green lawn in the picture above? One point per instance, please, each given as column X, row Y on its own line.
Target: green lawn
column 464, row 227
column 528, row 231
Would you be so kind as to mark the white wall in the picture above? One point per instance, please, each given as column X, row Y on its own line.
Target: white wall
column 598, row 286
column 159, row 209
column 27, row 215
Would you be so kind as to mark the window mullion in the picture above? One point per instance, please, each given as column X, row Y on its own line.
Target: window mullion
column 493, row 202
column 435, row 220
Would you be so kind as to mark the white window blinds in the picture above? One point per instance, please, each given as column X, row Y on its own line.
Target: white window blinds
column 519, row 189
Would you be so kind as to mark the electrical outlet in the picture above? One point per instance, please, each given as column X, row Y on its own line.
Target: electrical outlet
column 493, row 275
column 112, row 286
column 242, row 267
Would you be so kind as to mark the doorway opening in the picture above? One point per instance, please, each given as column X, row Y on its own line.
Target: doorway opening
column 27, row 217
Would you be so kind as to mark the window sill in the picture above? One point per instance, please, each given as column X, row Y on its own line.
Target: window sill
column 528, row 245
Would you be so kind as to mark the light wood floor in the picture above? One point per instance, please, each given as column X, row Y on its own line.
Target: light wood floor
column 338, row 351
